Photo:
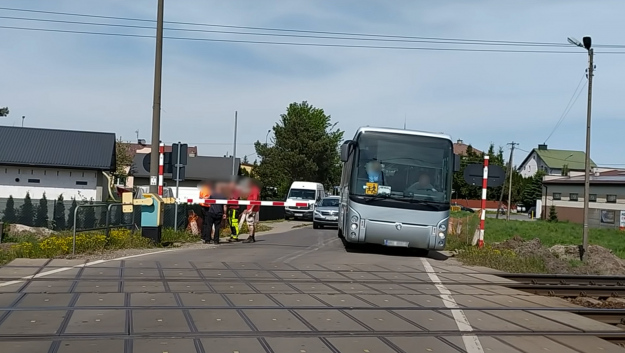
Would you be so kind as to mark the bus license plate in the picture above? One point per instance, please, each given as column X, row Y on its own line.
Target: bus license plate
column 298, row 215
column 403, row 244
column 332, row 218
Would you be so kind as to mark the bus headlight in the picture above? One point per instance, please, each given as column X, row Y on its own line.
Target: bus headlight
column 354, row 226
column 354, row 219
column 441, row 235
column 442, row 227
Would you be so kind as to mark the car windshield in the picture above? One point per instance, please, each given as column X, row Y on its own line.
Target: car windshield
column 402, row 167
column 333, row 202
column 302, row 194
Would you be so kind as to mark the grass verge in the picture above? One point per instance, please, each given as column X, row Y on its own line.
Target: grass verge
column 509, row 260
column 61, row 244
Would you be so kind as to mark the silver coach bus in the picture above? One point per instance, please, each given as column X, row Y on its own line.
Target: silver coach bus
column 396, row 188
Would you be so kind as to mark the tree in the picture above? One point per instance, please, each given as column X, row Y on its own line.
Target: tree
column 306, row 147
column 41, row 216
column 553, row 214
column 4, row 111
column 123, row 160
column 533, row 189
column 89, row 219
column 245, row 160
column 10, row 214
column 72, row 209
column 27, row 213
column 59, row 214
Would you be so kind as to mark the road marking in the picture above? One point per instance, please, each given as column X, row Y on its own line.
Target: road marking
column 63, row 269
column 471, row 342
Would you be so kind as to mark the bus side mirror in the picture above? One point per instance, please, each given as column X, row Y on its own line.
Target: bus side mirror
column 457, row 162
column 345, row 151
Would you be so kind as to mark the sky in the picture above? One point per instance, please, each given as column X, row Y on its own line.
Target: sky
column 105, row 83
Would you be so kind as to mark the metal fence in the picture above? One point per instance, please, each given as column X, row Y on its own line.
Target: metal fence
column 91, row 216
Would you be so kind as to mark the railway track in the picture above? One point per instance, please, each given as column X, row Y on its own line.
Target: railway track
column 568, row 286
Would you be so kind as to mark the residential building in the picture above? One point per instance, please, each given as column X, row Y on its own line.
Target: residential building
column 75, row 164
column 198, row 169
column 606, row 197
column 460, row 148
column 248, row 167
column 552, row 162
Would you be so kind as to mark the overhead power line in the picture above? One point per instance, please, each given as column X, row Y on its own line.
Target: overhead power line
column 290, row 43
column 279, row 29
column 568, row 107
column 333, row 37
column 319, row 35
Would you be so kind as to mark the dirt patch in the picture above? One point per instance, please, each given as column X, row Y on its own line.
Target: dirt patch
column 564, row 259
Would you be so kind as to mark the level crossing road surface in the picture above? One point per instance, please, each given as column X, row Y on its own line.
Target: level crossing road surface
column 293, row 292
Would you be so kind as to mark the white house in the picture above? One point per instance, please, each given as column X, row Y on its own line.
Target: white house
column 57, row 162
column 552, row 162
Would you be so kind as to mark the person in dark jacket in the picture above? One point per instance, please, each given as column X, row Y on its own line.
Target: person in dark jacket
column 213, row 216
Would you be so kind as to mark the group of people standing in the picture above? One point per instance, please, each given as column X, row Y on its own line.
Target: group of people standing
column 215, row 214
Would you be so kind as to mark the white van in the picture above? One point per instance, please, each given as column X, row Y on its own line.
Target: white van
column 304, row 191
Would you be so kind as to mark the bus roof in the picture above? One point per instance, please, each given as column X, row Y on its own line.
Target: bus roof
column 401, row 131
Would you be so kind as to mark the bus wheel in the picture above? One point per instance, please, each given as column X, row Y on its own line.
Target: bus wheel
column 349, row 247
column 315, row 225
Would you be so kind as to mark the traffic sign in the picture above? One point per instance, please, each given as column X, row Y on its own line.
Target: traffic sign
column 474, row 173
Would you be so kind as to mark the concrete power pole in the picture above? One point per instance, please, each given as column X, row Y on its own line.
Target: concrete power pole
column 591, row 69
column 513, row 144
column 156, row 106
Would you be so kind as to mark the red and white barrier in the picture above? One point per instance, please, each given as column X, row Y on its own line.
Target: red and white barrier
column 247, row 203
column 480, row 242
column 161, row 167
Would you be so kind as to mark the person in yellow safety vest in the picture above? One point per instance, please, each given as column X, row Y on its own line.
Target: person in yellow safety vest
column 233, row 217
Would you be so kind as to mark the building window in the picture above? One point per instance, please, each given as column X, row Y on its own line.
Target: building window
column 573, row 196
column 36, row 181
column 611, row 198
column 44, row 172
column 81, row 183
column 57, row 173
column 592, row 198
column 32, row 172
column 557, row 196
column 83, row 174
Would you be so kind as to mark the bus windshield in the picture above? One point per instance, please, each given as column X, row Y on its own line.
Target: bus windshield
column 402, row 167
column 301, row 194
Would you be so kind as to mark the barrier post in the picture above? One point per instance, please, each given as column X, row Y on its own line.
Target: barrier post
column 480, row 242
column 161, row 162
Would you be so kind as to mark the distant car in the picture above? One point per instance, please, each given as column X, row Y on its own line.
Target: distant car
column 463, row 208
column 326, row 212
column 466, row 209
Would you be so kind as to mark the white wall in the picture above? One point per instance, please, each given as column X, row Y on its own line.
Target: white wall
column 530, row 168
column 14, row 181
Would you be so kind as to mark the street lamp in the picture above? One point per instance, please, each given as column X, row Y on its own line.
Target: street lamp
column 586, row 44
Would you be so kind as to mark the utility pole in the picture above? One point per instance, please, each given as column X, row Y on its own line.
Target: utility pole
column 586, row 43
column 234, row 156
column 591, row 69
column 156, row 106
column 513, row 144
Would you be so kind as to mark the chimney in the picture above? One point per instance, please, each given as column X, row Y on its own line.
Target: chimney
column 542, row 147
column 459, row 142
